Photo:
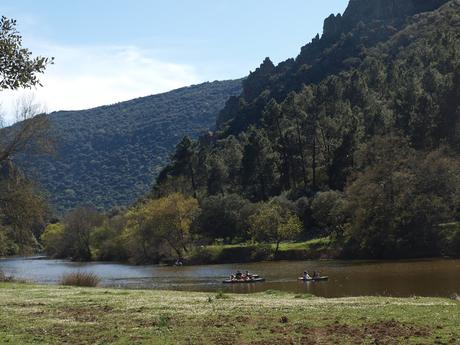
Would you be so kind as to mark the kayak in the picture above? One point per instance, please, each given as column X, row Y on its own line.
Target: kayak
column 243, row 281
column 313, row 279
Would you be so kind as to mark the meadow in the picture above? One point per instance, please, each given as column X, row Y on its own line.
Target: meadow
column 32, row 314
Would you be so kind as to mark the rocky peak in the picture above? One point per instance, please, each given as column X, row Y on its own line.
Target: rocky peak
column 376, row 10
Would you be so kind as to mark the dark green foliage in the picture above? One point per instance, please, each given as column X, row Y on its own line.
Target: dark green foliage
column 450, row 239
column 110, row 155
column 397, row 202
column 107, row 241
column 224, row 216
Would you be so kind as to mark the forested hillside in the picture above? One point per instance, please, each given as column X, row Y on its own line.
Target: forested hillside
column 109, row 156
column 359, row 135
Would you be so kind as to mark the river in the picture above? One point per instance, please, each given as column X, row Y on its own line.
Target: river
column 440, row 277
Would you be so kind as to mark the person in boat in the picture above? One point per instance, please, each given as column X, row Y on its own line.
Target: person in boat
column 238, row 275
column 248, row 276
column 306, row 275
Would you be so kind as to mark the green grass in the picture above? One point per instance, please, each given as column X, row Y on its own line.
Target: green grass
column 316, row 243
column 32, row 314
column 323, row 241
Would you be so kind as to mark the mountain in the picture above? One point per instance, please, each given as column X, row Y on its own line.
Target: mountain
column 109, row 156
column 366, row 58
column 359, row 134
column 345, row 42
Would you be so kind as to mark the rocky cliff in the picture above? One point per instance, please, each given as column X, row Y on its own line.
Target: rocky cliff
column 376, row 10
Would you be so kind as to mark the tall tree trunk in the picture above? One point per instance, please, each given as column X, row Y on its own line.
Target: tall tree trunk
column 277, row 248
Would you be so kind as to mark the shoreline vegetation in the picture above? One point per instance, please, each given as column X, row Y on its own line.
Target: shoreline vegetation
column 316, row 249
column 34, row 314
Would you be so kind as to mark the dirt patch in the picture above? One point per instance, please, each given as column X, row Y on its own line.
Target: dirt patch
column 85, row 314
column 25, row 305
column 276, row 341
column 382, row 332
column 395, row 329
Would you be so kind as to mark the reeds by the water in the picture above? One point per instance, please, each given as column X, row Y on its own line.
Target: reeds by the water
column 84, row 279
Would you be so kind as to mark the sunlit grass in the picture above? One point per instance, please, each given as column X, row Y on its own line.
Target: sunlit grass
column 318, row 242
column 56, row 314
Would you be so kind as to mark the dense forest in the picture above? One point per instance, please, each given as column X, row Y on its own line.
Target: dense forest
column 109, row 156
column 356, row 142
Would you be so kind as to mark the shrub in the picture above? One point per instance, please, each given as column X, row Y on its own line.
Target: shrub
column 203, row 255
column 81, row 279
column 449, row 239
column 236, row 254
column 262, row 252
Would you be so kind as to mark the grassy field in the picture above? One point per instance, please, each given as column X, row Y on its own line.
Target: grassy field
column 32, row 314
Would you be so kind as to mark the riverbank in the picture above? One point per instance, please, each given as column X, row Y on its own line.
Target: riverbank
column 34, row 314
column 320, row 248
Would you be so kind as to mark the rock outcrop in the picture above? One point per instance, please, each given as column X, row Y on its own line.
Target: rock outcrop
column 375, row 10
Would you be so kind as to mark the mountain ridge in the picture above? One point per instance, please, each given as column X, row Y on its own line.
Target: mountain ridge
column 344, row 41
column 109, row 155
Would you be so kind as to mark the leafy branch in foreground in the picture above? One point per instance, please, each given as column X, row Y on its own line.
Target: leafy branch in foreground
column 17, row 68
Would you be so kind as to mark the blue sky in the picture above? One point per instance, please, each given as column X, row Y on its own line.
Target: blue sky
column 110, row 51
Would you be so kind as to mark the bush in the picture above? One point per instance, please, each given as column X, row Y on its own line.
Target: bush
column 203, row 255
column 449, row 239
column 81, row 279
column 53, row 240
column 262, row 252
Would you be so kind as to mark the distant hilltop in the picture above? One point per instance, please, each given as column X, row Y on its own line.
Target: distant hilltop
column 110, row 155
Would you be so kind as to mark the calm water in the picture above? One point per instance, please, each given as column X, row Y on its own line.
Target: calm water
column 346, row 278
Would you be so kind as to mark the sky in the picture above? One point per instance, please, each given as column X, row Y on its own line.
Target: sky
column 107, row 51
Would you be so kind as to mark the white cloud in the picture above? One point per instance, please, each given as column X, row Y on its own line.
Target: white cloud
column 86, row 77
